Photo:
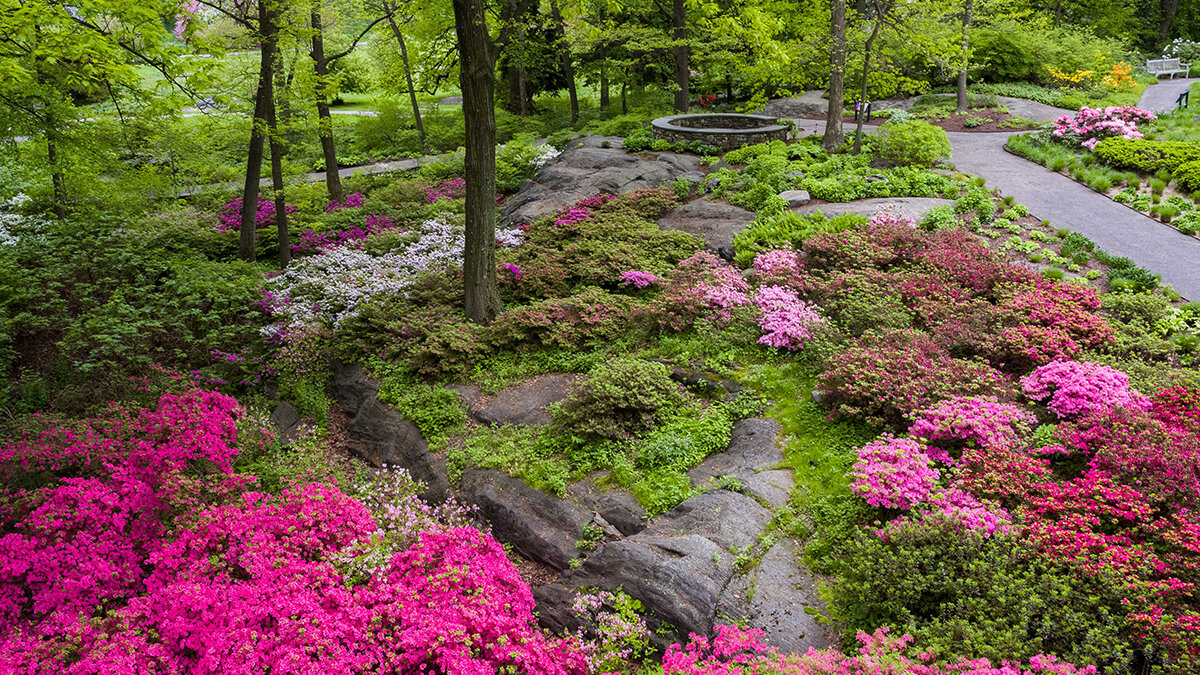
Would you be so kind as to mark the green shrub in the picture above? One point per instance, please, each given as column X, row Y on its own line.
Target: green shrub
column 787, row 230
column 962, row 592
column 915, row 143
column 639, row 140
column 619, row 399
column 1157, row 186
column 939, row 218
column 435, row 410
column 1187, row 176
column 1145, row 155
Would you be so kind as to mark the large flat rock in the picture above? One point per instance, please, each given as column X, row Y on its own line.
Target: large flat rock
column 913, row 207
column 525, row 403
column 779, row 596
column 754, row 445
column 716, row 222
column 585, row 169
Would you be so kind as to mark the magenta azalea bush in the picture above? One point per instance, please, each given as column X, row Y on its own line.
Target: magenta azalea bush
column 978, row 420
column 454, row 188
column 231, row 214
column 150, row 554
column 787, row 321
column 894, row 473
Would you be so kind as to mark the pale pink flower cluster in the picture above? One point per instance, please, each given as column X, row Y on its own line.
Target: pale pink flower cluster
column 955, row 507
column 787, row 321
column 1073, row 389
column 888, row 218
column 779, row 266
column 1091, row 125
column 895, row 473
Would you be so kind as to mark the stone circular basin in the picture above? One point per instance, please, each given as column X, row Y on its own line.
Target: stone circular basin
column 724, row 130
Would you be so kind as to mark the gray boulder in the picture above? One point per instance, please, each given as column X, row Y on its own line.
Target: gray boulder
column 351, row 386
column 537, row 525
column 381, row 437
column 716, row 222
column 286, row 420
column 753, row 446
column 913, row 207
column 525, row 403
column 678, row 567
column 796, row 198
column 585, row 169
column 779, row 596
column 616, row 506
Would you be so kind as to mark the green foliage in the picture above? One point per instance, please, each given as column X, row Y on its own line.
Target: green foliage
column 436, row 411
column 915, row 143
column 529, row 453
column 787, row 230
column 1187, row 176
column 619, row 399
column 1144, row 155
column 939, row 218
column 962, row 592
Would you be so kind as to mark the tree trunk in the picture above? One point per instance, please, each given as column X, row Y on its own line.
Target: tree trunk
column 254, row 155
column 966, row 55
column 603, row 54
column 333, row 181
column 1058, row 12
column 518, row 90
column 56, row 178
column 284, row 107
column 1168, row 9
column 412, row 90
column 281, row 228
column 680, row 51
column 728, row 87
column 482, row 297
column 858, row 133
column 624, row 101
column 837, row 76
column 564, row 56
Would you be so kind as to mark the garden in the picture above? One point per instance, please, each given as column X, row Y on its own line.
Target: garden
column 598, row 403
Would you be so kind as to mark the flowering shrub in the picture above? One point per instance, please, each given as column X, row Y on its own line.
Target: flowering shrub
column 352, row 202
column 888, row 376
column 703, row 286
column 787, row 321
column 332, row 286
column 312, row 242
column 231, row 214
column 155, row 558
column 737, row 651
column 1090, row 125
column 1075, row 389
column 975, row 420
column 614, row 633
column 779, row 267
column 894, row 473
column 638, row 279
column 886, row 218
column 448, row 189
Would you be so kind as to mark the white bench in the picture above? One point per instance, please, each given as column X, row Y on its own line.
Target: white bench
column 1170, row 67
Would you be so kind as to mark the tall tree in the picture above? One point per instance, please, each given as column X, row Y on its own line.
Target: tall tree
column 482, row 296
column 564, row 56
column 392, row 10
column 679, row 50
column 263, row 106
column 321, row 63
column 837, row 76
column 876, row 12
column 965, row 57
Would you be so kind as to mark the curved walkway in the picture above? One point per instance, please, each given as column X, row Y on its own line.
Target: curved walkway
column 1066, row 204
column 1161, row 97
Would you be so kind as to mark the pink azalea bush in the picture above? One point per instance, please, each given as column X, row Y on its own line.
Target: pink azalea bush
column 787, row 321
column 312, row 242
column 978, row 420
column 888, row 218
column 778, row 267
column 638, row 279
column 1090, row 125
column 1073, row 389
column 894, row 473
column 702, row 287
column 231, row 214
column 352, row 201
column 151, row 555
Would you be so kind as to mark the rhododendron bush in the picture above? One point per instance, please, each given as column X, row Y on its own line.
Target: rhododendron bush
column 142, row 551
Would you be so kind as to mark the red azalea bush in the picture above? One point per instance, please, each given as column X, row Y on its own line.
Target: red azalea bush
column 888, row 376
column 151, row 555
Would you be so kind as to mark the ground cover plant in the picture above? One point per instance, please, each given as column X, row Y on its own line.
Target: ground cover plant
column 943, row 369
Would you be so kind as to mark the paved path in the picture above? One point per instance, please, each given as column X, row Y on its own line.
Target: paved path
column 1115, row 228
column 1161, row 97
